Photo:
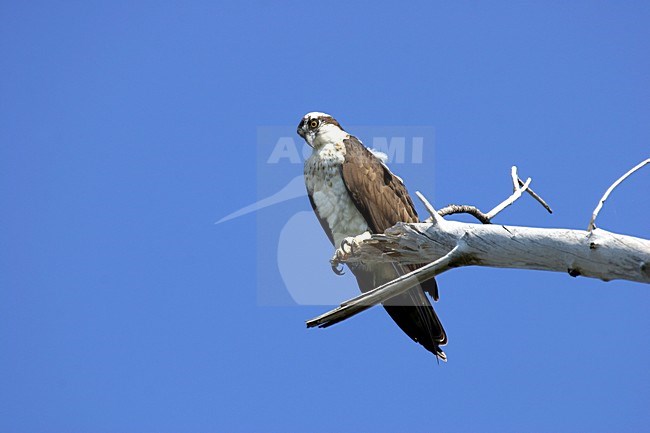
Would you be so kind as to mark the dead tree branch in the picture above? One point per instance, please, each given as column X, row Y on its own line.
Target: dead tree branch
column 393, row 288
column 592, row 222
column 518, row 187
column 597, row 254
column 463, row 208
column 443, row 244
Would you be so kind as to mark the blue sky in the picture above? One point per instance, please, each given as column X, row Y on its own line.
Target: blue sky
column 129, row 128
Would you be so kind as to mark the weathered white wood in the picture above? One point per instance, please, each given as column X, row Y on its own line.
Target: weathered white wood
column 597, row 254
column 518, row 187
column 392, row 288
column 592, row 222
column 448, row 244
column 516, row 194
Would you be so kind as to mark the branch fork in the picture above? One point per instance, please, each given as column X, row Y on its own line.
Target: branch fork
column 518, row 188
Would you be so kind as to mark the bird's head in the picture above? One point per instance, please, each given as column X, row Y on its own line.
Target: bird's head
column 319, row 128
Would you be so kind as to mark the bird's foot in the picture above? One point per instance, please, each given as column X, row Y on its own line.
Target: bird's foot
column 340, row 255
column 347, row 248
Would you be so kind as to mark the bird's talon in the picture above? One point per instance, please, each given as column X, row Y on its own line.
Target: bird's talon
column 339, row 256
column 337, row 267
column 347, row 246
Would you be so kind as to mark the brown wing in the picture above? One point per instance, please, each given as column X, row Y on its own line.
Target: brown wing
column 382, row 199
column 379, row 195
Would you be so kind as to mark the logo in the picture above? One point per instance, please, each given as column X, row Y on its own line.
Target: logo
column 293, row 252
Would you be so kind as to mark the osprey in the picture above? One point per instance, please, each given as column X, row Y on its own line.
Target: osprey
column 352, row 191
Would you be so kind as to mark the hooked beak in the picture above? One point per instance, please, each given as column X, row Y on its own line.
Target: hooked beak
column 300, row 130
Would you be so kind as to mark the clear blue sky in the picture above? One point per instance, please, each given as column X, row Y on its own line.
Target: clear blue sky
column 128, row 128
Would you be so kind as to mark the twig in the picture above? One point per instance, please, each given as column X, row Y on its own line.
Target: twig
column 510, row 200
column 515, row 178
column 472, row 210
column 535, row 196
column 517, row 182
column 386, row 291
column 436, row 218
column 592, row 223
column 518, row 187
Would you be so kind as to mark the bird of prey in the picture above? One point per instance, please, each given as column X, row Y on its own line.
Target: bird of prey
column 352, row 191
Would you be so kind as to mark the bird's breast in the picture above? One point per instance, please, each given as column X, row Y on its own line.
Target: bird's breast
column 331, row 198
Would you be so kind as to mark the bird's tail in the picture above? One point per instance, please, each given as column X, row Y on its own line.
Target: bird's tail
column 412, row 312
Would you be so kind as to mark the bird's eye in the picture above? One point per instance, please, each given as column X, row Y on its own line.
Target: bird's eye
column 313, row 123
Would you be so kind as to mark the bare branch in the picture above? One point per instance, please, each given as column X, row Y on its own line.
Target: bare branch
column 535, row 196
column 446, row 244
column 601, row 254
column 510, row 200
column 472, row 210
column 592, row 222
column 386, row 291
column 518, row 188
column 515, row 178
column 436, row 218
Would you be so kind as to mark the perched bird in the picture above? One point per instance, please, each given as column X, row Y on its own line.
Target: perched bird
column 352, row 191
